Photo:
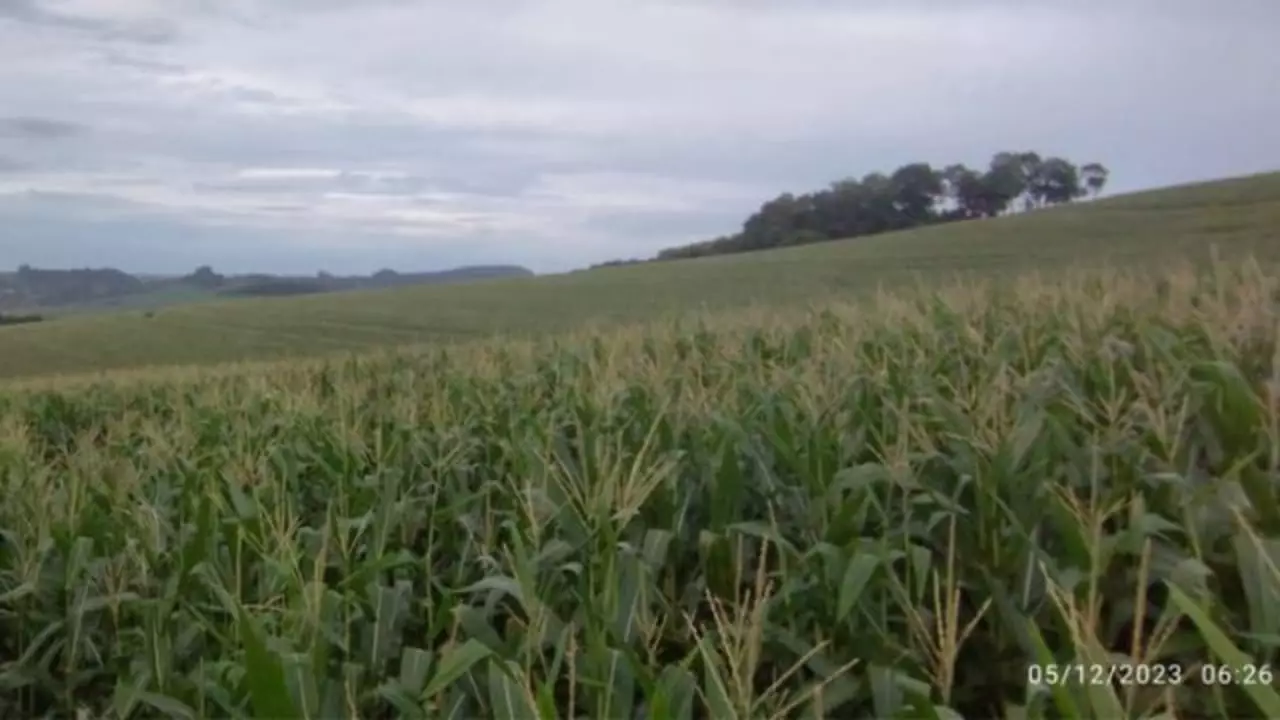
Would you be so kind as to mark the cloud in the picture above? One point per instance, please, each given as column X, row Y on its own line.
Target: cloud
column 37, row 128
column 563, row 132
column 289, row 173
column 145, row 30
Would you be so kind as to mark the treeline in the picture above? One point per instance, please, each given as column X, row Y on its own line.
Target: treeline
column 914, row 195
column 43, row 288
column 616, row 263
column 19, row 319
column 276, row 288
column 260, row 285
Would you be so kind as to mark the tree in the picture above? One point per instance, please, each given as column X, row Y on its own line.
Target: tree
column 205, row 277
column 1004, row 182
column 1056, row 181
column 969, row 193
column 952, row 178
column 877, row 205
column 1094, row 177
column 835, row 208
column 916, row 190
column 1031, row 168
column 1011, row 177
column 776, row 221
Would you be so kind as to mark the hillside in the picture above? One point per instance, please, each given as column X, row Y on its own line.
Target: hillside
column 1236, row 216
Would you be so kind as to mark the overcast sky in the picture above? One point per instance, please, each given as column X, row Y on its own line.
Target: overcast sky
column 350, row 135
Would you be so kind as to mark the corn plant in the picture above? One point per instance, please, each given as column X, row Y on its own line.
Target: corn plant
column 889, row 509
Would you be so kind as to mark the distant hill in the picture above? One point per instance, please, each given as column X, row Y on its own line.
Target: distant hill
column 31, row 287
column 37, row 288
column 1238, row 217
column 273, row 285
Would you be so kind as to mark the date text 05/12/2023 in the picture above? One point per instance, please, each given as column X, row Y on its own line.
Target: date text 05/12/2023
column 1147, row 674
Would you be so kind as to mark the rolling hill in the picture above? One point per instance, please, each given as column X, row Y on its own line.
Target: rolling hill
column 1232, row 217
column 54, row 293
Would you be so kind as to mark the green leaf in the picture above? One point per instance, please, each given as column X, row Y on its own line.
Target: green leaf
column 406, row 704
column 264, row 672
column 1265, row 698
column 1062, row 695
column 168, row 706
column 886, row 692
column 384, row 634
column 415, row 663
column 856, row 576
column 454, row 664
column 620, row 687
column 475, row 622
column 1102, row 698
column 302, row 682
column 1257, row 559
column 547, row 702
column 507, row 700
column 714, row 691
column 673, row 695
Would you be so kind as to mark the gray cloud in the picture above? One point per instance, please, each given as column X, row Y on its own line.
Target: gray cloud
column 122, row 59
column 37, row 128
column 151, row 31
column 562, row 132
column 32, row 12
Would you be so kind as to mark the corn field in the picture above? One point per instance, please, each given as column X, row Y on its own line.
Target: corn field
column 913, row 507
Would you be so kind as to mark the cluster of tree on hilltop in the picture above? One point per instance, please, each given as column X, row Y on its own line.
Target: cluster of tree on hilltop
column 19, row 319
column 32, row 287
column 914, row 195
